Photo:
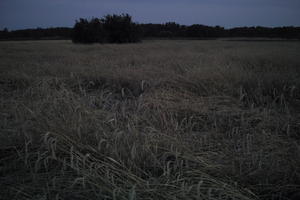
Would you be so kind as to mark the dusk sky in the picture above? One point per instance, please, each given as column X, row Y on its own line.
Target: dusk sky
column 19, row 14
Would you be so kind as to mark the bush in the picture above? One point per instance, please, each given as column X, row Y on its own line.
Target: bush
column 111, row 29
column 121, row 29
column 89, row 31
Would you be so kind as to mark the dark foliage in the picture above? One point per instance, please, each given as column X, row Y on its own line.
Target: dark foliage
column 89, row 31
column 111, row 29
column 204, row 31
column 121, row 29
column 258, row 31
column 36, row 34
column 197, row 31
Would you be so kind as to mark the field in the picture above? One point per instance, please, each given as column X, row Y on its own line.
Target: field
column 154, row 120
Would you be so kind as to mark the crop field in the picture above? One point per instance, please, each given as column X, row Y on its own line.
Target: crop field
column 157, row 120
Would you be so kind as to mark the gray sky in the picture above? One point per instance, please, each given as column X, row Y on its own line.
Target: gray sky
column 19, row 14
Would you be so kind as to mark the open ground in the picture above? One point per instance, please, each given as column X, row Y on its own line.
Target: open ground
column 153, row 120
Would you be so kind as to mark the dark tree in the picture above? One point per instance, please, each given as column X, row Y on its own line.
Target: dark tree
column 91, row 31
column 112, row 29
column 4, row 34
column 5, row 30
column 121, row 29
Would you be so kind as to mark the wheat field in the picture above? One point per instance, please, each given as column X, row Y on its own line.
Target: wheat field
column 154, row 120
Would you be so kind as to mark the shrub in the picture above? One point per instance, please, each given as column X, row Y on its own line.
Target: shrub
column 111, row 29
column 88, row 31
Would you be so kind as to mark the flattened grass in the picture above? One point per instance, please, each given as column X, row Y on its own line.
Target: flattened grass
column 156, row 120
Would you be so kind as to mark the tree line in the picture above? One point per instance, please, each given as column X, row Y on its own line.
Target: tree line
column 121, row 29
column 37, row 34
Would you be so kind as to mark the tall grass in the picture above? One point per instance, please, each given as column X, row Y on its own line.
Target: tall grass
column 156, row 120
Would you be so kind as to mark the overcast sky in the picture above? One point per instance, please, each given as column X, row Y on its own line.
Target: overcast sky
column 18, row 14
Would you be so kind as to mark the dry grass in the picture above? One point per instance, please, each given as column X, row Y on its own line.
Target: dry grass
column 155, row 120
